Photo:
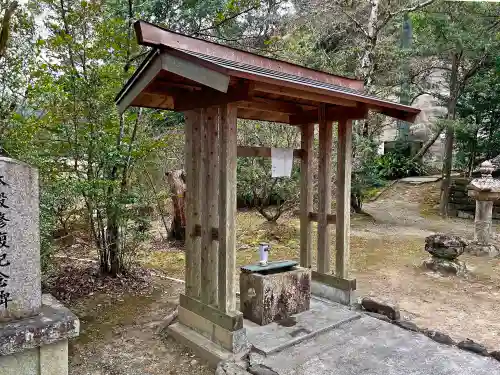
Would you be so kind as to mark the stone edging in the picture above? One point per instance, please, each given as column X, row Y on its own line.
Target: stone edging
column 391, row 314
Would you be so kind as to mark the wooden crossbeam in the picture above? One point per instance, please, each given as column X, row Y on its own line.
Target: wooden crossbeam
column 253, row 114
column 209, row 98
column 296, row 93
column 271, row 106
column 334, row 281
column 265, row 152
column 330, row 218
column 332, row 114
column 231, row 321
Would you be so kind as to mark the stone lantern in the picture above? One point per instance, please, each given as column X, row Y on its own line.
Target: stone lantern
column 484, row 190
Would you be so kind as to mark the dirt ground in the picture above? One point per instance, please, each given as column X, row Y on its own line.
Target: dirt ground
column 121, row 334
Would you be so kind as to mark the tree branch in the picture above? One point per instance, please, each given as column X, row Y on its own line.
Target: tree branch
column 225, row 20
column 4, row 34
column 404, row 10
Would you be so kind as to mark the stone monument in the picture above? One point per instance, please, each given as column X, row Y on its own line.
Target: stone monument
column 485, row 190
column 445, row 251
column 34, row 329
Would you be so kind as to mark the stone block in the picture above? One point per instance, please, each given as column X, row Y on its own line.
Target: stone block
column 23, row 363
column 381, row 307
column 345, row 297
column 265, row 298
column 49, row 359
column 20, row 276
column 233, row 341
column 202, row 346
column 54, row 358
column 445, row 267
column 54, row 323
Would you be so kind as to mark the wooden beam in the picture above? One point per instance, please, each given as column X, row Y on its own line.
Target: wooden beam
column 333, row 114
column 197, row 232
column 296, row 93
column 232, row 321
column 209, row 98
column 264, row 152
column 140, row 83
column 325, row 190
column 344, row 152
column 334, row 281
column 227, row 208
column 272, row 106
column 252, row 114
column 193, row 135
column 330, row 218
column 306, row 194
column 195, row 72
column 291, row 101
column 209, row 217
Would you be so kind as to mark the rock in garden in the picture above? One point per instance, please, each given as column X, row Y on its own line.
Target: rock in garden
column 229, row 368
column 378, row 316
column 439, row 337
column 482, row 250
column 445, row 266
column 407, row 325
column 495, row 354
column 261, row 370
column 472, row 346
column 445, row 246
column 372, row 305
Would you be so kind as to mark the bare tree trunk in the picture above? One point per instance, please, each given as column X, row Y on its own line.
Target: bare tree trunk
column 427, row 145
column 367, row 60
column 450, row 137
column 177, row 183
column 4, row 33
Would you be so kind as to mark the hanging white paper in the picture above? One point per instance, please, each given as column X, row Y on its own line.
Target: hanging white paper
column 282, row 161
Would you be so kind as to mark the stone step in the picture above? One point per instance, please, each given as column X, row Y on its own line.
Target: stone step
column 322, row 317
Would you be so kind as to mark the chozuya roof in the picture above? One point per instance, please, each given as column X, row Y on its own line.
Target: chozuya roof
column 183, row 73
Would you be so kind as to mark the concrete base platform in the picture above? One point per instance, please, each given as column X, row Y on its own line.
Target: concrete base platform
column 202, row 346
column 370, row 346
column 321, row 317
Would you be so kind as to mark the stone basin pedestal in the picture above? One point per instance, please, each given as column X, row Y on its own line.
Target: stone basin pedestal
column 269, row 294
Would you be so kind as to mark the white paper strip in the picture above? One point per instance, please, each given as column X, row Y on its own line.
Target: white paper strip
column 282, row 161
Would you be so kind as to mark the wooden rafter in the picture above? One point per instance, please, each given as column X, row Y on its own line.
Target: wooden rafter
column 333, row 114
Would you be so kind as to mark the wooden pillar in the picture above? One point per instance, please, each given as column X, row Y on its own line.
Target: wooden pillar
column 209, row 213
column 306, row 196
column 193, row 136
column 343, row 198
column 325, row 190
column 227, row 208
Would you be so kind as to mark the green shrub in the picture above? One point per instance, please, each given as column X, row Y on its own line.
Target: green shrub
column 395, row 165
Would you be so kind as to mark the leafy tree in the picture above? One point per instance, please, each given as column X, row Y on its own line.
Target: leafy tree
column 255, row 186
column 453, row 40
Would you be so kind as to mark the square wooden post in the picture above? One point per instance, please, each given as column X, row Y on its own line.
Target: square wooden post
column 306, row 194
column 210, row 203
column 343, row 198
column 325, row 191
column 227, row 208
column 193, row 136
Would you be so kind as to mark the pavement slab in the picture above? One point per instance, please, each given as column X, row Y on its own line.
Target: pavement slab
column 371, row 346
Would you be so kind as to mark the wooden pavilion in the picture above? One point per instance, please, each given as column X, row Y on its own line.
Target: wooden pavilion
column 214, row 85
